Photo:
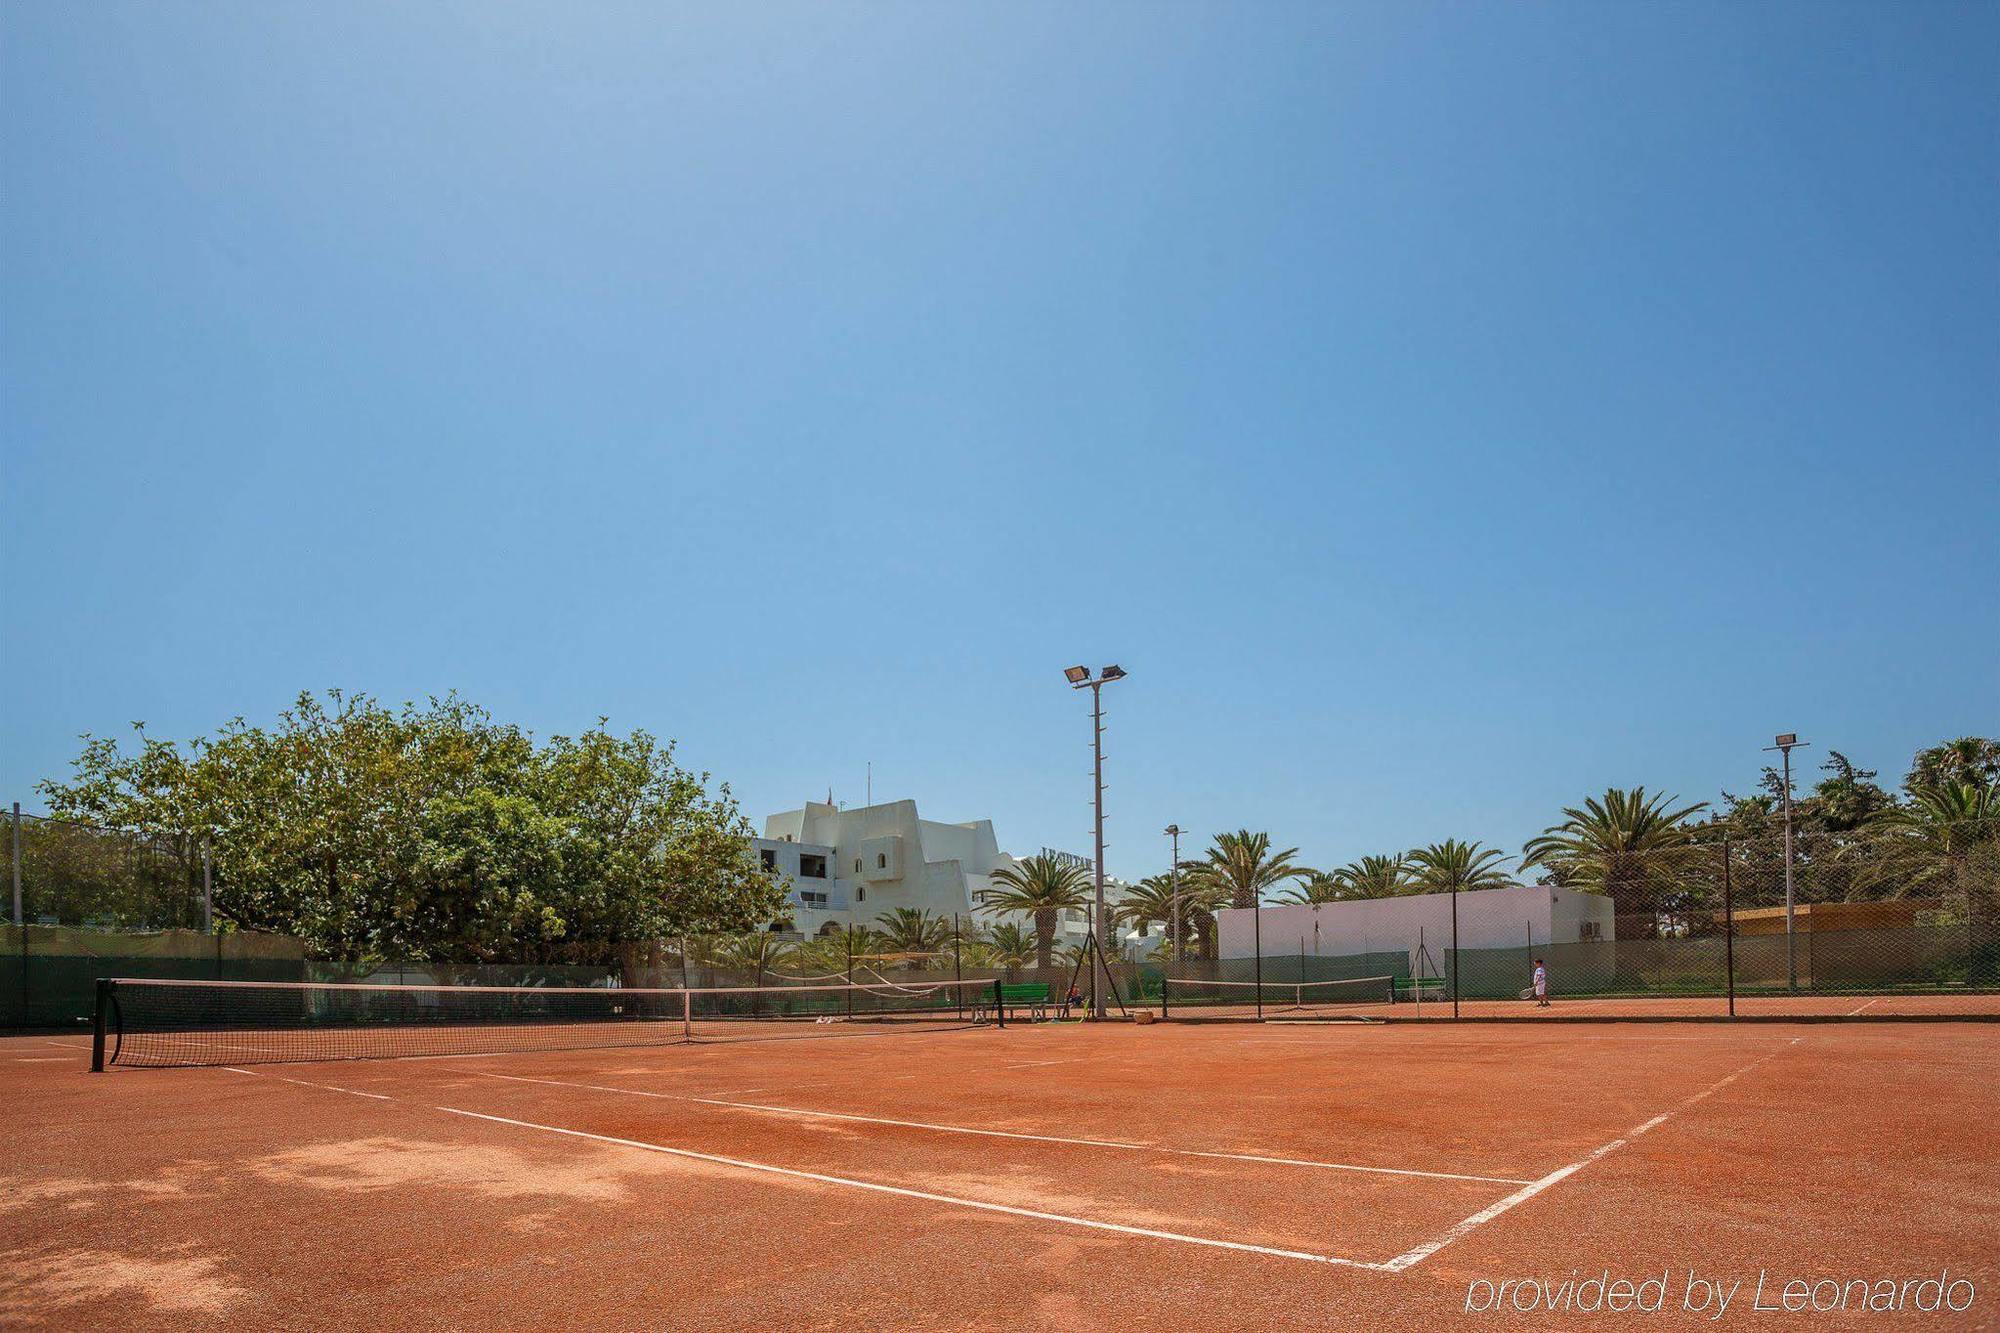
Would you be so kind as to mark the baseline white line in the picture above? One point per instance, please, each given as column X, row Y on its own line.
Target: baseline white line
column 1877, row 1000
column 1012, row 1134
column 1416, row 1255
column 951, row 1200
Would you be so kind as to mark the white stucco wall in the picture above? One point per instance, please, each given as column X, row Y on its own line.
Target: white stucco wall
column 1523, row 916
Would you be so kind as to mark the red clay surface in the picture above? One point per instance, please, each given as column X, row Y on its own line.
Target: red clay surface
column 1047, row 1175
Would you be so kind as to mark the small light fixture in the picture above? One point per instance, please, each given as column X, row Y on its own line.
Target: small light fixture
column 1113, row 672
column 1077, row 675
column 1789, row 738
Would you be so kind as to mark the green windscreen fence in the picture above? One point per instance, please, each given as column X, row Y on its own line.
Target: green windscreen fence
column 48, row 974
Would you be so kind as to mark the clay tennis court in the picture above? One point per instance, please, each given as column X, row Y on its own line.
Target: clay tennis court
column 1080, row 1175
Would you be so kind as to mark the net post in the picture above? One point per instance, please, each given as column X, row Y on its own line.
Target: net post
column 999, row 1005
column 99, row 1018
column 1166, row 984
column 687, row 1014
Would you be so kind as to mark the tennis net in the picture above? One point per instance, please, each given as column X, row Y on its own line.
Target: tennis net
column 1192, row 998
column 158, row 1022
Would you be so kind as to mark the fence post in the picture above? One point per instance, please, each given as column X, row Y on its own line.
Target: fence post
column 1257, row 943
column 1454, row 951
column 1728, row 928
column 207, row 893
column 17, row 867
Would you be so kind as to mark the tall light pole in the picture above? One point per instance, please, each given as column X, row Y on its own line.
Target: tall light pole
column 1174, row 877
column 1080, row 678
column 1784, row 746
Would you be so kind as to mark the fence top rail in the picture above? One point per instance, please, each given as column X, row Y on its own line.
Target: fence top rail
column 179, row 983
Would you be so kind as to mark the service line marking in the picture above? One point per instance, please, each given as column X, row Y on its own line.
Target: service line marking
column 327, row 1087
column 1417, row 1254
column 1117, row 1144
column 1871, row 1004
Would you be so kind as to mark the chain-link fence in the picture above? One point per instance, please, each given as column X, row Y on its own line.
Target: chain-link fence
column 1899, row 918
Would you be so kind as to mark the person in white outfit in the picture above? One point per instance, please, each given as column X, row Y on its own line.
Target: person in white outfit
column 1541, row 985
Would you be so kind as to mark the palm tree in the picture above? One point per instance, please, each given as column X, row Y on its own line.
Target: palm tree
column 1042, row 885
column 1008, row 945
column 1244, row 864
column 1150, row 900
column 912, row 930
column 1968, row 761
column 1452, row 866
column 1376, row 877
column 1320, row 887
column 1613, row 846
column 1946, row 839
column 754, row 953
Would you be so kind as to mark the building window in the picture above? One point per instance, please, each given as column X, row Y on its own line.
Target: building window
column 881, row 861
column 857, row 865
column 768, row 857
column 811, row 866
column 1586, row 930
column 809, row 898
column 861, row 895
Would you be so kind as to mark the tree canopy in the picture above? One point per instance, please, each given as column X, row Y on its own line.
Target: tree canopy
column 431, row 832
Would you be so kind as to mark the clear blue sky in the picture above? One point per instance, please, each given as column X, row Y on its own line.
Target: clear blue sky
column 1443, row 411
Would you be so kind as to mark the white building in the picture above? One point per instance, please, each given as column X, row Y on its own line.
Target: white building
column 1525, row 917
column 849, row 867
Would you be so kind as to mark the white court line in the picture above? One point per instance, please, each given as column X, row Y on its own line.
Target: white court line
column 1877, row 1000
column 949, row 1199
column 1416, row 1255
column 1011, row 1134
column 1031, row 1064
column 327, row 1087
column 44, row 1060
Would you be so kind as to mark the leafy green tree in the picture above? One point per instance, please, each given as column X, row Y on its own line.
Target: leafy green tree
column 433, row 833
column 1847, row 797
column 1454, row 866
column 1042, row 886
column 1243, row 864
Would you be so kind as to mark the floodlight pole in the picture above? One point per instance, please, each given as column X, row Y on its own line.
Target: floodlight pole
column 1784, row 746
column 1102, row 978
column 1081, row 678
column 1174, row 877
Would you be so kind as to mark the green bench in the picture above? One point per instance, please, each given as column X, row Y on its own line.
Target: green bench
column 1034, row 995
column 1409, row 989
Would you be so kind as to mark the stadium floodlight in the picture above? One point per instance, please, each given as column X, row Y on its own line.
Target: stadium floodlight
column 1113, row 672
column 1077, row 675
column 1788, row 739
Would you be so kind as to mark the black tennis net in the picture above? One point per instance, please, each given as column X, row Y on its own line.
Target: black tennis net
column 1186, row 997
column 157, row 1022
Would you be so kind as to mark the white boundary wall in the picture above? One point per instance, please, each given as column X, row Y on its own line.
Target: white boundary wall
column 1524, row 916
